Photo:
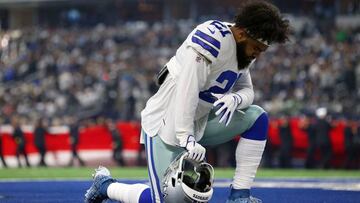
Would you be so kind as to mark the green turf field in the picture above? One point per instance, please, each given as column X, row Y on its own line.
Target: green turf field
column 138, row 173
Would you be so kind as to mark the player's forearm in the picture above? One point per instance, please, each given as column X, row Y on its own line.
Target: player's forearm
column 188, row 85
column 184, row 119
column 187, row 92
column 244, row 89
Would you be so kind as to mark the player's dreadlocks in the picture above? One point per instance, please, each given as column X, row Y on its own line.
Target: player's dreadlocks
column 263, row 21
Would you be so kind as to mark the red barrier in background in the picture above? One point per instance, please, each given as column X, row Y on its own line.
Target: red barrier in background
column 94, row 137
column 300, row 137
column 98, row 137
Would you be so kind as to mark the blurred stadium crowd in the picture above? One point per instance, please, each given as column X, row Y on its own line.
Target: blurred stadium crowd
column 108, row 71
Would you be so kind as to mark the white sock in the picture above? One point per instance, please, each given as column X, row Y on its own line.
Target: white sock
column 125, row 193
column 248, row 157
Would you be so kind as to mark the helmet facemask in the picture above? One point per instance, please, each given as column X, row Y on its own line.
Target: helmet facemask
column 198, row 176
column 188, row 181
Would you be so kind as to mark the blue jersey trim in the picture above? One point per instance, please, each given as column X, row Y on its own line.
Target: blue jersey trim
column 210, row 49
column 208, row 38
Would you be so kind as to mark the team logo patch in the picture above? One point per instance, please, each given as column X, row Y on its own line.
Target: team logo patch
column 198, row 59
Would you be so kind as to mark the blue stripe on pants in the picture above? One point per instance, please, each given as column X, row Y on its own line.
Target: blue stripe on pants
column 205, row 46
column 259, row 130
column 146, row 147
column 154, row 180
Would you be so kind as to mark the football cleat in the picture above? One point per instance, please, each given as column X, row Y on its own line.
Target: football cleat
column 245, row 200
column 242, row 196
column 101, row 178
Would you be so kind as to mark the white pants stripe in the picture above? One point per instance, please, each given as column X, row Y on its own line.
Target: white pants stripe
column 154, row 180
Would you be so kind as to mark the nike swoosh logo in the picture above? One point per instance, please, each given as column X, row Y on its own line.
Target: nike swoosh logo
column 212, row 31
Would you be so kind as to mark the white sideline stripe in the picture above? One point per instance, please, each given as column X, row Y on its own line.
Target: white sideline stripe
column 226, row 184
column 295, row 184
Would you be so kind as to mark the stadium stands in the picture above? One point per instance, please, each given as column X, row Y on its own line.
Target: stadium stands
column 107, row 69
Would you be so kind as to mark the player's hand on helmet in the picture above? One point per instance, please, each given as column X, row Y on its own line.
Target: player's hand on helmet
column 227, row 104
column 196, row 152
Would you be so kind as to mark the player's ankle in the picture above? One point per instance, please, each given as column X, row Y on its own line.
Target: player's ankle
column 104, row 187
column 239, row 193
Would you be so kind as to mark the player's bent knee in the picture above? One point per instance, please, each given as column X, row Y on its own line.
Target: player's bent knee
column 259, row 129
column 256, row 110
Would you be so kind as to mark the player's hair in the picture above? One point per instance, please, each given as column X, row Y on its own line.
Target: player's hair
column 264, row 21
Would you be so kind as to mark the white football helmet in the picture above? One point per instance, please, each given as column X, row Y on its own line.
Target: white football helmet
column 188, row 181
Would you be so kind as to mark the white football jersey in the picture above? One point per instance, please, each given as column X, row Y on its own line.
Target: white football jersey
column 204, row 64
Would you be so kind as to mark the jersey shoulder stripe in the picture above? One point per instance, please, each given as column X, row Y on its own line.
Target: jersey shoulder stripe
column 208, row 38
column 205, row 46
column 211, row 39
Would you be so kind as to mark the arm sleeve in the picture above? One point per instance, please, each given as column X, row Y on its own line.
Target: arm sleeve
column 191, row 79
column 244, row 89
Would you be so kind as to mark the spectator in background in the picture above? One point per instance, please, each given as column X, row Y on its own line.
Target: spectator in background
column 73, row 124
column 268, row 155
column 323, row 127
column 222, row 155
column 1, row 154
column 308, row 124
column 350, row 77
column 116, row 141
column 19, row 138
column 286, row 143
column 39, row 133
column 352, row 144
column 127, row 86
